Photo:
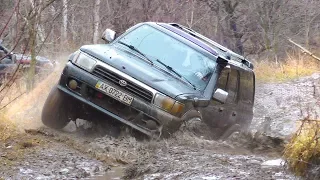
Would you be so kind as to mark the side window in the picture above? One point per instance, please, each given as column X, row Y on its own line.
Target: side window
column 246, row 87
column 229, row 81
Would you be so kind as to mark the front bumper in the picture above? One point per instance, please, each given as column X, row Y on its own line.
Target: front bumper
column 140, row 111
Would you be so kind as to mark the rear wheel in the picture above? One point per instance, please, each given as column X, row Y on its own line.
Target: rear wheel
column 228, row 131
column 55, row 110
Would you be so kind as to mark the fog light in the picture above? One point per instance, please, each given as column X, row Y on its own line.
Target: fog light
column 73, row 84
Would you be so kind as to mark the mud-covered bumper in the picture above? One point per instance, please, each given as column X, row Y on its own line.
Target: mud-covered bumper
column 141, row 111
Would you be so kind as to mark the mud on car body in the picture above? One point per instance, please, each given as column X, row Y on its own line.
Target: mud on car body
column 154, row 77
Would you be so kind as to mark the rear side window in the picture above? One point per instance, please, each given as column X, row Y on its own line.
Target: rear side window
column 232, row 88
column 229, row 81
column 246, row 87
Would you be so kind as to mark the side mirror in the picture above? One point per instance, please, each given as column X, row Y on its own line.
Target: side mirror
column 220, row 95
column 227, row 69
column 108, row 35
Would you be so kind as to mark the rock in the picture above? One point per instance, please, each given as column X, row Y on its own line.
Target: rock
column 210, row 178
column 26, row 171
column 253, row 161
column 273, row 163
column 64, row 171
column 83, row 123
column 70, row 127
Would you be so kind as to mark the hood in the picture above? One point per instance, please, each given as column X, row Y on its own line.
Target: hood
column 139, row 69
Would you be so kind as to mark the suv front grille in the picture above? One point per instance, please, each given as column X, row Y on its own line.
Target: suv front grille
column 110, row 76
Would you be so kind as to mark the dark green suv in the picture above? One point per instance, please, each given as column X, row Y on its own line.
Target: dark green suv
column 154, row 77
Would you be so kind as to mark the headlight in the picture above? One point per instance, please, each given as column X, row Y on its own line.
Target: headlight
column 168, row 104
column 84, row 61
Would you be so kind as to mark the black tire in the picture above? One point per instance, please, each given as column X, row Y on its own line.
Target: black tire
column 55, row 109
column 229, row 131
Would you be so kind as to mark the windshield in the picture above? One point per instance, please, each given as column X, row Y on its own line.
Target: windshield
column 189, row 63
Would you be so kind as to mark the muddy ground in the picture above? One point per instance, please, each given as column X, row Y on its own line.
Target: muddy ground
column 88, row 152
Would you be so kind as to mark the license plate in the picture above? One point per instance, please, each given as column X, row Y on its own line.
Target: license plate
column 114, row 92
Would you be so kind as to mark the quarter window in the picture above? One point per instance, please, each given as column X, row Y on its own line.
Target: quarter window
column 247, row 87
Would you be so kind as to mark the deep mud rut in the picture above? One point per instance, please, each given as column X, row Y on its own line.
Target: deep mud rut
column 80, row 155
column 87, row 152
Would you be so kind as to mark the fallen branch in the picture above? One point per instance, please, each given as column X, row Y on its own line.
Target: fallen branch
column 304, row 50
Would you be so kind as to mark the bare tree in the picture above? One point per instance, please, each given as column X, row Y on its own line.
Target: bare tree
column 64, row 29
column 96, row 21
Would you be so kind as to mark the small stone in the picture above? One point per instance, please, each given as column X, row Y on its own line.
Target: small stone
column 47, row 174
column 273, row 163
column 26, row 171
column 253, row 161
column 64, row 171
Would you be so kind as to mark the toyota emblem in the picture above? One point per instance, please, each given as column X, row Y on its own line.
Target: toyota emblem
column 123, row 82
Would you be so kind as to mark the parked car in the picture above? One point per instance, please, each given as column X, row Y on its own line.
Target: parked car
column 154, row 77
column 7, row 63
column 10, row 61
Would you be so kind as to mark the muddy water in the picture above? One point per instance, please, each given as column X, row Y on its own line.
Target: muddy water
column 113, row 174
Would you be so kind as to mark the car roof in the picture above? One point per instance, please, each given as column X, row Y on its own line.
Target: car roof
column 207, row 44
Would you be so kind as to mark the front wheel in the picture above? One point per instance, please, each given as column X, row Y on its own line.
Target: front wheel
column 55, row 109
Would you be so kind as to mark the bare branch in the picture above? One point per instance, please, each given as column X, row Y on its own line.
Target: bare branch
column 304, row 50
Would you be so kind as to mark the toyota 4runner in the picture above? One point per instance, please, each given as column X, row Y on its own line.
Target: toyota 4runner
column 154, row 77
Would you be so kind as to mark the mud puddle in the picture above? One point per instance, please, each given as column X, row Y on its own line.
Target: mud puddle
column 113, row 174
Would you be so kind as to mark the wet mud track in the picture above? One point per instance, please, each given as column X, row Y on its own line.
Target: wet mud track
column 38, row 156
column 65, row 155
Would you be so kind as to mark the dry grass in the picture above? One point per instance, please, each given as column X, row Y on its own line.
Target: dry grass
column 293, row 67
column 7, row 128
column 303, row 151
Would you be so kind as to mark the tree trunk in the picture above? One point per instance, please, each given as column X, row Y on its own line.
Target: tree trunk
column 32, row 42
column 64, row 20
column 96, row 21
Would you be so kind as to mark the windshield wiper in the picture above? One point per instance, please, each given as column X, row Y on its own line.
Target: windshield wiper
column 175, row 72
column 136, row 50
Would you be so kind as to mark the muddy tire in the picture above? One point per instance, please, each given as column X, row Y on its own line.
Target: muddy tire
column 55, row 110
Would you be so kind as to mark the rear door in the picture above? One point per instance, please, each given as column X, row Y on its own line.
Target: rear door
column 222, row 115
column 246, row 97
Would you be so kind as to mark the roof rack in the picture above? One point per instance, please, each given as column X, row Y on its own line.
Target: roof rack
column 229, row 55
